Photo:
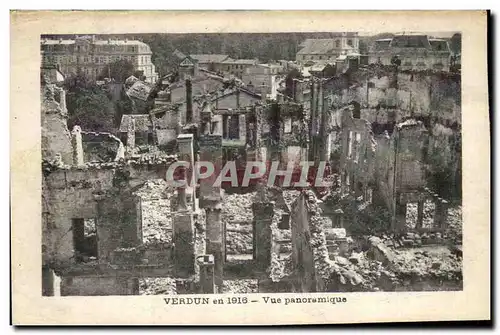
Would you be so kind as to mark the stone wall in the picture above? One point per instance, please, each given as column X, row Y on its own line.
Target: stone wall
column 56, row 138
column 102, row 192
column 302, row 252
column 424, row 93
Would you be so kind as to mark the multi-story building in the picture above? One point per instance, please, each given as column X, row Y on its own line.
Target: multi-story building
column 210, row 62
column 329, row 49
column 237, row 67
column 92, row 56
column 415, row 51
column 263, row 78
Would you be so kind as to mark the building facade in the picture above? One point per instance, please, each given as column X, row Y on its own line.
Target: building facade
column 416, row 52
column 329, row 49
column 92, row 56
column 210, row 62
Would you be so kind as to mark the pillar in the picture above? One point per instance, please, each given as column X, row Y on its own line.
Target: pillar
column 47, row 282
column 206, row 264
column 420, row 214
column 131, row 135
column 215, row 242
column 441, row 213
column 210, row 151
column 339, row 219
column 62, row 100
column 76, row 141
column 183, row 238
column 186, row 154
column 243, row 127
column 399, row 221
column 189, row 101
column 262, row 237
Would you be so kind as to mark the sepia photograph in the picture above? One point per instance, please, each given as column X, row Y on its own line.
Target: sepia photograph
column 372, row 124
column 209, row 168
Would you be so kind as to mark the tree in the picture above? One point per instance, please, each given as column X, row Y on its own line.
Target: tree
column 119, row 70
column 88, row 105
column 456, row 43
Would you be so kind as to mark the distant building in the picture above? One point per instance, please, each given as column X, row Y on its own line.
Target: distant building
column 328, row 49
column 92, row 55
column 210, row 62
column 415, row 51
column 237, row 67
column 262, row 78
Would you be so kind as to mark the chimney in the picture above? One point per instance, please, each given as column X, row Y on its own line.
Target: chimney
column 189, row 100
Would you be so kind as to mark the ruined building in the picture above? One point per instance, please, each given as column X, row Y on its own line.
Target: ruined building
column 376, row 128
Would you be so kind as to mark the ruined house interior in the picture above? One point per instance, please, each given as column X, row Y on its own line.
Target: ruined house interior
column 112, row 225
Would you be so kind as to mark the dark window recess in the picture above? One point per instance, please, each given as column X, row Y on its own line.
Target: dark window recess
column 285, row 222
column 150, row 138
column 356, row 113
column 234, row 127
column 123, row 138
column 140, row 139
column 225, row 119
column 84, row 239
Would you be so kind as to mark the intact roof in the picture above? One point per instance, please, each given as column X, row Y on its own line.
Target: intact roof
column 439, row 44
column 383, row 44
column 142, row 122
column 209, row 58
column 96, row 41
column 337, row 34
column 241, row 61
column 410, row 41
column 178, row 54
column 320, row 47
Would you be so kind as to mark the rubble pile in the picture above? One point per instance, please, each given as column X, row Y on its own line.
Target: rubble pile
column 432, row 262
column 455, row 224
column 156, row 212
column 387, row 263
column 157, row 286
column 411, row 214
column 240, row 286
column 237, row 217
column 239, row 241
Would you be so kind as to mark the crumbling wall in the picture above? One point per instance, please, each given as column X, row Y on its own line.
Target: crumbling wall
column 444, row 155
column 302, row 253
column 413, row 93
column 384, row 170
column 358, row 146
column 166, row 125
column 411, row 137
column 69, row 195
column 400, row 162
column 103, row 192
column 101, row 147
column 56, row 138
